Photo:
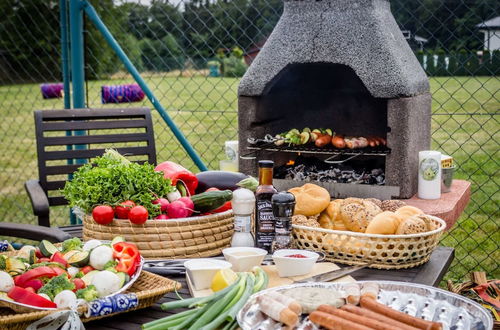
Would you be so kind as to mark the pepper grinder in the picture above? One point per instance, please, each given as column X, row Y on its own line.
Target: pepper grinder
column 283, row 205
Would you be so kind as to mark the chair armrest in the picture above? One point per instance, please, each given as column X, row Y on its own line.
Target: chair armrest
column 38, row 198
column 37, row 233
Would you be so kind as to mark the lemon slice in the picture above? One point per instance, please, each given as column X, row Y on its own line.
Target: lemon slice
column 223, row 278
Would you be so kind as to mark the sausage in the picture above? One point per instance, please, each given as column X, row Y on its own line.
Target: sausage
column 372, row 142
column 277, row 311
column 359, row 319
column 333, row 322
column 289, row 302
column 363, row 142
column 323, row 140
column 349, row 143
column 375, row 316
column 373, row 305
column 338, row 141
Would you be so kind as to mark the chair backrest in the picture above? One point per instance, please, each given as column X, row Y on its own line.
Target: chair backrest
column 66, row 139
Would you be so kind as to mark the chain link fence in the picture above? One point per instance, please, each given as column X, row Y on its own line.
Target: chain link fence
column 192, row 53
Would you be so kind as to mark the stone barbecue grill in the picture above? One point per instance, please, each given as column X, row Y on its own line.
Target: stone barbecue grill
column 344, row 65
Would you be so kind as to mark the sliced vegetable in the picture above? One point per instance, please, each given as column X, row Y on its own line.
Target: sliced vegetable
column 56, row 285
column 87, row 278
column 34, row 283
column 72, row 271
column 79, row 259
column 79, row 284
column 24, row 296
column 128, row 257
column 87, row 269
column 47, row 248
column 89, row 245
column 14, row 266
column 25, row 251
column 35, row 273
column 124, row 278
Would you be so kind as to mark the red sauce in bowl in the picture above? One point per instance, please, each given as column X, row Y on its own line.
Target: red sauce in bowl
column 298, row 255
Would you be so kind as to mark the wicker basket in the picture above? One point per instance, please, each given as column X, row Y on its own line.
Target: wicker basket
column 384, row 251
column 195, row 237
column 148, row 288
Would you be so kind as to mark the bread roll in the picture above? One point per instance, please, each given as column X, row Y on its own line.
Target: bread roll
column 302, row 220
column 375, row 201
column 391, row 205
column 385, row 223
column 407, row 211
column 412, row 225
column 310, row 199
column 330, row 217
column 357, row 214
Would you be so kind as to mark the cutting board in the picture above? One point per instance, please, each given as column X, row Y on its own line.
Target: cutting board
column 275, row 280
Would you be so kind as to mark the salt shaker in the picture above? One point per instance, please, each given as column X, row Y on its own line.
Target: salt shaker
column 283, row 205
column 243, row 204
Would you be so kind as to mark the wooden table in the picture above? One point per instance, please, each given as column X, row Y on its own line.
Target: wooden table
column 430, row 273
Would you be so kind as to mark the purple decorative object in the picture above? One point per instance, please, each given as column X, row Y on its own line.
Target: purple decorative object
column 121, row 93
column 52, row 91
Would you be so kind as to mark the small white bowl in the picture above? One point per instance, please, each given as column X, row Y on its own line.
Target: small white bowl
column 202, row 271
column 244, row 259
column 289, row 266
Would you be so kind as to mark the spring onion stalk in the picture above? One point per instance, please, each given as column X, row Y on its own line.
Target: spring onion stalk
column 166, row 324
column 190, row 319
column 231, row 312
column 192, row 302
column 217, row 307
column 235, row 298
column 230, row 325
column 168, row 319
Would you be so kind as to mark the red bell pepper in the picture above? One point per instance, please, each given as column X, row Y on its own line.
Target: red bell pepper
column 34, row 283
column 27, row 297
column 79, row 284
column 128, row 257
column 179, row 176
column 58, row 257
column 35, row 273
column 227, row 205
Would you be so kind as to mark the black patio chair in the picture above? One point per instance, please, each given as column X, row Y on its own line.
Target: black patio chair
column 129, row 131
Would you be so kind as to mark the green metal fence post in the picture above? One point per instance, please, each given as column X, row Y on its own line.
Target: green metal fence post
column 94, row 17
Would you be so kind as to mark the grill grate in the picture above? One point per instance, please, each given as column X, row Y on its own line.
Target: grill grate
column 308, row 149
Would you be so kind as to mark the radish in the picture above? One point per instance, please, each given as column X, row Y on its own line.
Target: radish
column 163, row 203
column 177, row 210
column 189, row 204
column 162, row 217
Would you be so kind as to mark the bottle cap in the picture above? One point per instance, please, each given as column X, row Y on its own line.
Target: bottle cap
column 283, row 204
column 266, row 163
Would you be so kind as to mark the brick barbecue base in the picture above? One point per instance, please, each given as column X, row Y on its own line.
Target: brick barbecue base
column 449, row 207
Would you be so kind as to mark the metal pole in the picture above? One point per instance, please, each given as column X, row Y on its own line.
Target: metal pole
column 77, row 72
column 94, row 17
column 63, row 17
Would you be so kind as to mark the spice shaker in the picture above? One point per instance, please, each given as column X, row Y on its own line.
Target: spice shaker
column 283, row 205
column 243, row 204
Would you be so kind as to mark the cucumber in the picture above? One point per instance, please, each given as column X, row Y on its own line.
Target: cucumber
column 15, row 266
column 124, row 278
column 87, row 278
column 32, row 257
column 117, row 239
column 210, row 200
column 69, row 254
column 79, row 259
column 47, row 248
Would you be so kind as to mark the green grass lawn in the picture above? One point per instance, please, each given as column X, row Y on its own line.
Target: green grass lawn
column 465, row 125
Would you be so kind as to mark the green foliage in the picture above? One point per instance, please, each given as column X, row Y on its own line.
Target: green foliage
column 56, row 285
column 162, row 55
column 71, row 244
column 111, row 179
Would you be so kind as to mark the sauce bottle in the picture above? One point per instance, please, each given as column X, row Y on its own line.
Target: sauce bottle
column 264, row 218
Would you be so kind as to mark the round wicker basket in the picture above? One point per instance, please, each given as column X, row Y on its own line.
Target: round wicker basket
column 194, row 237
column 383, row 251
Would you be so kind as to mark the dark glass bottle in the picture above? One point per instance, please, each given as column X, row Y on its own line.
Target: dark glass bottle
column 283, row 206
column 264, row 218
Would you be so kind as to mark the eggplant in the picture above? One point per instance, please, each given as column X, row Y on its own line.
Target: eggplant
column 221, row 180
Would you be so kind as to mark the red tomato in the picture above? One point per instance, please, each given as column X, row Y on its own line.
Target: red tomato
column 43, row 260
column 87, row 269
column 30, row 289
column 79, row 284
column 58, row 257
column 103, row 214
column 38, row 253
column 138, row 215
column 122, row 210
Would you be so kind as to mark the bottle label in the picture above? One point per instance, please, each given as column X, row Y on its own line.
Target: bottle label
column 429, row 168
column 242, row 224
column 264, row 224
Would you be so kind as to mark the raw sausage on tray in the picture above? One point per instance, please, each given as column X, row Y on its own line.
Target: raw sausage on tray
column 379, row 317
column 333, row 322
column 363, row 320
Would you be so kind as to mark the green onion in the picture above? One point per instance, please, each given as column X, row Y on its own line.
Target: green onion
column 168, row 319
column 190, row 319
column 217, row 307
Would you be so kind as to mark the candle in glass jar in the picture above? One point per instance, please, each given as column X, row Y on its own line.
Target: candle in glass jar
column 429, row 174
